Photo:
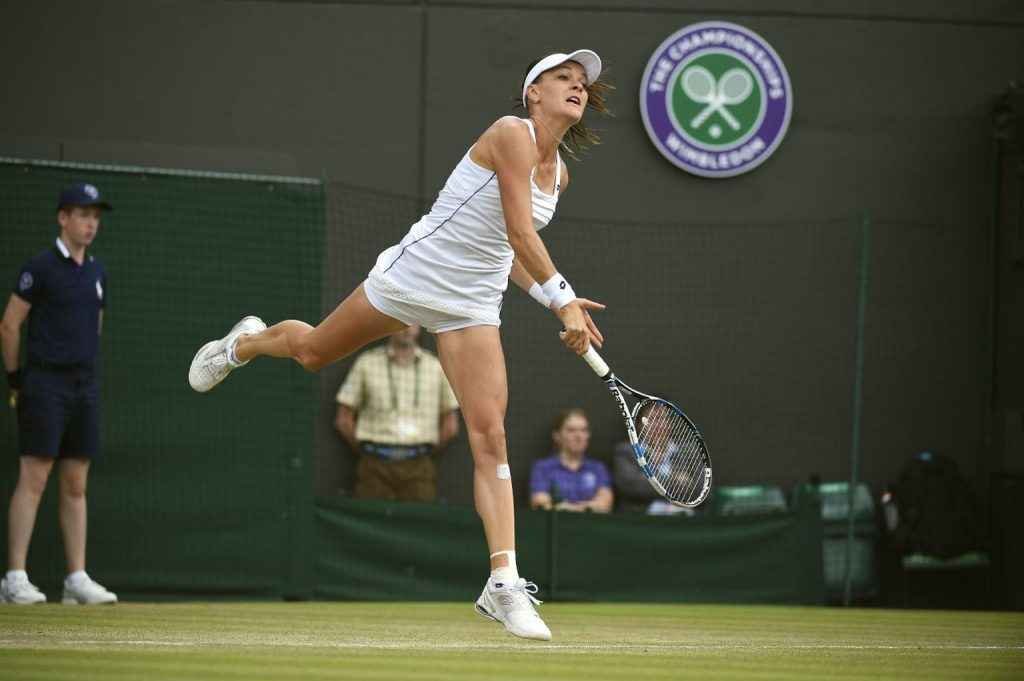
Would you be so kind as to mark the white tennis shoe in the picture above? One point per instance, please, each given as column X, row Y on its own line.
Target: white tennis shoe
column 213, row 362
column 19, row 591
column 84, row 591
column 512, row 605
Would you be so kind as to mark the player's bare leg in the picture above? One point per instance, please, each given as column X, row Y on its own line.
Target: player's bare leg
column 475, row 366
column 474, row 363
column 353, row 324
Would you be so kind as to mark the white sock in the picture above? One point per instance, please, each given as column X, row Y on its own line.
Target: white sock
column 16, row 575
column 507, row 574
column 232, row 357
column 77, row 577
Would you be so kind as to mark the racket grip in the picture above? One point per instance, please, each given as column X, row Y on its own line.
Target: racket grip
column 599, row 366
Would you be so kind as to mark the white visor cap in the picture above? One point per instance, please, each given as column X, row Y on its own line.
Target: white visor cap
column 588, row 59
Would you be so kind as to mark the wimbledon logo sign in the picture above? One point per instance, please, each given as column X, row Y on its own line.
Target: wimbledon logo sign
column 715, row 99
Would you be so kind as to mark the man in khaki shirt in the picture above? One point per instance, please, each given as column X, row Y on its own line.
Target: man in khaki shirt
column 396, row 409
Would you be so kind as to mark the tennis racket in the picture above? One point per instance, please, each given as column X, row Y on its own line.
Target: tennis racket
column 668, row 447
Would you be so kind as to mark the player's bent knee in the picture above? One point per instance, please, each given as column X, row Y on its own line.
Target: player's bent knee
column 488, row 449
column 310, row 361
column 491, row 435
column 307, row 355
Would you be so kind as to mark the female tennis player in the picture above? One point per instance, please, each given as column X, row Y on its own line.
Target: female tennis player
column 448, row 274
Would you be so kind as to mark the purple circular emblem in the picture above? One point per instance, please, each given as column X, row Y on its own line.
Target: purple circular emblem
column 716, row 99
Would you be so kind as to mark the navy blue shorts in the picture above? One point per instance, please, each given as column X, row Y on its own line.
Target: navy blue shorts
column 59, row 413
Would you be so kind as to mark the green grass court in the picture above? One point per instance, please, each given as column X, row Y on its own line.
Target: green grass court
column 449, row 641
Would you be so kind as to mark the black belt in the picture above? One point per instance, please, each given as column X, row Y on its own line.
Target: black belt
column 395, row 452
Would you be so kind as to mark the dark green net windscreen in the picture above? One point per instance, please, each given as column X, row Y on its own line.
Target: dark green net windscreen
column 194, row 493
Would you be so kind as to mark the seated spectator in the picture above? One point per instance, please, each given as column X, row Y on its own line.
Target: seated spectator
column 569, row 480
column 633, row 492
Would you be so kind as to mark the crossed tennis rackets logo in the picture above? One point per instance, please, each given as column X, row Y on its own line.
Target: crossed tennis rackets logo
column 734, row 87
column 715, row 99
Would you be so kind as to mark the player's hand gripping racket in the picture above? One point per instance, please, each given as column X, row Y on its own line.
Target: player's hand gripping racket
column 668, row 447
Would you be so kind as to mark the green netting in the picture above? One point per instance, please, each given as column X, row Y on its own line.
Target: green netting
column 195, row 493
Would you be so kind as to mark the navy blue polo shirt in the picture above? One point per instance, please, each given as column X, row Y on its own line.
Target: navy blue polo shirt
column 66, row 299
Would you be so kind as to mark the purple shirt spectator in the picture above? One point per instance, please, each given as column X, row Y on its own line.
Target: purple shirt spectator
column 549, row 475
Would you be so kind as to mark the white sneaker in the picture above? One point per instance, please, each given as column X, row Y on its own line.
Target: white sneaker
column 211, row 364
column 86, row 592
column 512, row 605
column 20, row 591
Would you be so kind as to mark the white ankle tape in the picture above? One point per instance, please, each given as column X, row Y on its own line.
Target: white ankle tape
column 508, row 572
column 504, row 473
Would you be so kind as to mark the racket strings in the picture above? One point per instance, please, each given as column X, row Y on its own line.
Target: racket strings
column 673, row 448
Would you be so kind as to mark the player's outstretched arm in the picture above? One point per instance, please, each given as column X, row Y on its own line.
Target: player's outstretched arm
column 509, row 150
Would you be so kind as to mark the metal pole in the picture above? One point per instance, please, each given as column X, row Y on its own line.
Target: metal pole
column 858, row 398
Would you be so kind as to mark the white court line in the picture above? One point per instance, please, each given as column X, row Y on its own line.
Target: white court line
column 510, row 646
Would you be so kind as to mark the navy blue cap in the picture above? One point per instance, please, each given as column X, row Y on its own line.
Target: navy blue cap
column 82, row 194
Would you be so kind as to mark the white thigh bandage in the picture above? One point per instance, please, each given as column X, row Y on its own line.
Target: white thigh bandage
column 504, row 473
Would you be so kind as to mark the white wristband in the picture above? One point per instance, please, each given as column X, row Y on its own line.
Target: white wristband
column 537, row 293
column 558, row 290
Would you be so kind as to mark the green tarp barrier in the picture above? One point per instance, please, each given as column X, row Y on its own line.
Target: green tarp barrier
column 392, row 551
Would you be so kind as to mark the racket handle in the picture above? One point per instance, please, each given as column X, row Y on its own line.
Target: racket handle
column 599, row 366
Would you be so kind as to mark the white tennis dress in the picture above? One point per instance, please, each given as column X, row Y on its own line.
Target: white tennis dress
column 451, row 270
